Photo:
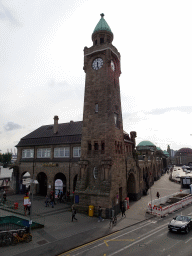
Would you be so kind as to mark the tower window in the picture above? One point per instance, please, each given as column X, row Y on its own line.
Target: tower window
column 102, row 146
column 96, row 146
column 96, row 42
column 101, row 40
column 116, row 120
column 89, row 145
column 96, row 108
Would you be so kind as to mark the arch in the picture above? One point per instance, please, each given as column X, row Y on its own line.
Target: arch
column 25, row 181
column 131, row 187
column 75, row 182
column 62, row 177
column 41, row 188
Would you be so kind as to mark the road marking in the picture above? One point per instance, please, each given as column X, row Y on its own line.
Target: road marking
column 149, row 242
column 117, row 240
column 188, row 240
column 124, row 248
column 85, row 245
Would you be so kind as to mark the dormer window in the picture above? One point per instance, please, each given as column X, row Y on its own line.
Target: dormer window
column 102, row 40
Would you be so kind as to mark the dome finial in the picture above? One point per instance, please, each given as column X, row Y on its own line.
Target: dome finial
column 102, row 15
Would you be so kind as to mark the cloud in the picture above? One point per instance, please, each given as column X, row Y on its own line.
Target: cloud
column 6, row 14
column 10, row 126
column 160, row 111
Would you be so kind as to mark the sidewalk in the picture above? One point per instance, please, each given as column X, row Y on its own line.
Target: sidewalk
column 60, row 230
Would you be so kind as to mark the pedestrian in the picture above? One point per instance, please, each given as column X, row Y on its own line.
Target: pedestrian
column 61, row 197
column 73, row 213
column 123, row 210
column 100, row 214
column 46, row 201
column 158, row 195
column 52, row 199
column 4, row 196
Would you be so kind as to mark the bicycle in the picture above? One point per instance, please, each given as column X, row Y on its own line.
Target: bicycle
column 21, row 236
column 5, row 238
column 113, row 221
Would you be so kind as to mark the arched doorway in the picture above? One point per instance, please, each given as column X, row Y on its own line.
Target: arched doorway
column 61, row 176
column 42, row 184
column 131, row 187
column 25, row 182
column 74, row 182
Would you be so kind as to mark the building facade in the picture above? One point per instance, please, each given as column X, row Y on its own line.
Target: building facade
column 95, row 158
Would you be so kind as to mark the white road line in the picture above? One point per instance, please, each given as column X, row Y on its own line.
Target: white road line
column 124, row 248
column 149, row 242
column 188, row 240
column 162, row 234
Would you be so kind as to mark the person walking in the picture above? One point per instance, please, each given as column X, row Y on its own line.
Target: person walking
column 52, row 200
column 123, row 210
column 4, row 196
column 46, row 201
column 100, row 214
column 73, row 213
column 158, row 195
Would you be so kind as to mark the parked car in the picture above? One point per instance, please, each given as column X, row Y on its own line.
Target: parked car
column 181, row 224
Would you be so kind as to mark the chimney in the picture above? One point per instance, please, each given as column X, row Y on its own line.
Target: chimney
column 56, row 118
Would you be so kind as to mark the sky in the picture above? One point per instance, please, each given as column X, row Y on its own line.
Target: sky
column 41, row 65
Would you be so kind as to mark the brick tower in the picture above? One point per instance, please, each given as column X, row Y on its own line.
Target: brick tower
column 102, row 179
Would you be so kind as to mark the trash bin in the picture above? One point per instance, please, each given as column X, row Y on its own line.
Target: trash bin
column 76, row 199
column 91, row 210
column 16, row 206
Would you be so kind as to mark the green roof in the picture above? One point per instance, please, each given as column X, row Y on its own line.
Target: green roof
column 165, row 153
column 145, row 143
column 159, row 149
column 102, row 25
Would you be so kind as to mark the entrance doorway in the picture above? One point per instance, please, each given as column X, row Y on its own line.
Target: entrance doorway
column 42, row 186
column 61, row 176
column 131, row 188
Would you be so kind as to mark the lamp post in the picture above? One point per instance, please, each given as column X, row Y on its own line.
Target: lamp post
column 32, row 182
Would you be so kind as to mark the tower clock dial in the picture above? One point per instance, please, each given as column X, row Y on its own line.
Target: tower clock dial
column 112, row 65
column 97, row 63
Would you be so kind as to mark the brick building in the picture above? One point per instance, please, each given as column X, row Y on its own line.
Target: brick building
column 94, row 158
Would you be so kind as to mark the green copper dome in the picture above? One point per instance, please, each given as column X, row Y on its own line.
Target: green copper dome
column 145, row 143
column 102, row 25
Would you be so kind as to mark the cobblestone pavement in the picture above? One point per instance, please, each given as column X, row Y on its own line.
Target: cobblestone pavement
column 58, row 225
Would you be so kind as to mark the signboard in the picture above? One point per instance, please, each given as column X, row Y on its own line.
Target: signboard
column 26, row 200
column 58, row 187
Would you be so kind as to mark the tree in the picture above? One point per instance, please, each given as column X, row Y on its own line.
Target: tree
column 6, row 159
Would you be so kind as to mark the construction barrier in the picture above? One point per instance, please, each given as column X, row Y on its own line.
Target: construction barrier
column 162, row 211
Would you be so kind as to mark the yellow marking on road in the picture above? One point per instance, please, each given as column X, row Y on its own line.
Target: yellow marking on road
column 92, row 242
column 118, row 240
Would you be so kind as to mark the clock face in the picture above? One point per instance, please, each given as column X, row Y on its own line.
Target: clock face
column 97, row 63
column 112, row 65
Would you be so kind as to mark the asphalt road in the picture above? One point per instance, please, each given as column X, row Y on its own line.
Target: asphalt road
column 148, row 238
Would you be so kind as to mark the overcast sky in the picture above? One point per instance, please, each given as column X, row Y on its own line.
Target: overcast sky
column 41, row 65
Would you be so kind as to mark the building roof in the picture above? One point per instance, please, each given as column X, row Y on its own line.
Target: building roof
column 145, row 143
column 44, row 135
column 102, row 25
column 184, row 151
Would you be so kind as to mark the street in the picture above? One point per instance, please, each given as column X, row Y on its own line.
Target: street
column 134, row 234
column 148, row 238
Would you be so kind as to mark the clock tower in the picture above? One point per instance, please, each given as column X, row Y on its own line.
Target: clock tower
column 102, row 177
